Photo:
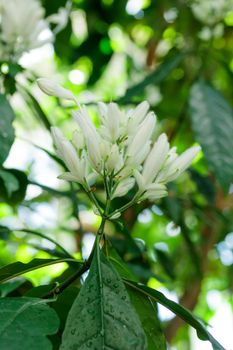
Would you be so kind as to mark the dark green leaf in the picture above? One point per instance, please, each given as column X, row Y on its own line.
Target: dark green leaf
column 7, row 288
column 25, row 322
column 18, row 268
column 154, row 78
column 102, row 316
column 7, row 133
column 10, row 182
column 179, row 310
column 165, row 261
column 212, row 120
column 13, row 185
column 64, row 302
column 204, row 185
column 147, row 311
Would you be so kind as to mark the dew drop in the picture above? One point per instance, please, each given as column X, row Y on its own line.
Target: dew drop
column 73, row 331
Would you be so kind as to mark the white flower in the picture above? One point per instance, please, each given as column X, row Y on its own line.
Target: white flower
column 22, row 25
column 211, row 11
column 61, row 18
column 178, row 165
column 52, row 89
column 106, row 151
column 124, row 187
column 160, row 167
column 77, row 166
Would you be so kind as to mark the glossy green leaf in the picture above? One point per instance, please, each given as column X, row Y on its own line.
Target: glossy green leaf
column 7, row 133
column 147, row 310
column 158, row 75
column 25, row 322
column 13, row 186
column 18, row 268
column 179, row 310
column 102, row 316
column 212, row 120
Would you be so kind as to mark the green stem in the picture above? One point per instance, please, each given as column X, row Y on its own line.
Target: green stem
column 124, row 207
column 93, row 199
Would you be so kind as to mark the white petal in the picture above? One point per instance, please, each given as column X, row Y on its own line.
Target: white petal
column 78, row 140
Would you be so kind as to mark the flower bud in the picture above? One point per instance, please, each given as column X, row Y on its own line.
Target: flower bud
column 52, row 89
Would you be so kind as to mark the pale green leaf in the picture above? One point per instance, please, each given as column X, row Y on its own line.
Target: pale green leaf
column 212, row 120
column 7, row 133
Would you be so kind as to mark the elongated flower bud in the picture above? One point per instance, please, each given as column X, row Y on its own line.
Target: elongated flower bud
column 137, row 116
column 155, row 159
column 124, row 187
column 178, row 165
column 142, row 136
column 52, row 89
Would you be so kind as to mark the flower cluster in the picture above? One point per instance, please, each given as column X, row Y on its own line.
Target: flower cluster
column 120, row 150
column 22, row 25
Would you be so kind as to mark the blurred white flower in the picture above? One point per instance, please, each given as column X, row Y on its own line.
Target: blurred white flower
column 211, row 11
column 22, row 27
column 120, row 150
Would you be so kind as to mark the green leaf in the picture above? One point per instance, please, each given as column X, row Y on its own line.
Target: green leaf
column 102, row 316
column 7, row 133
column 9, row 287
column 18, row 268
column 158, row 75
column 25, row 322
column 212, row 120
column 179, row 310
column 10, row 182
column 165, row 261
column 147, row 311
column 13, row 186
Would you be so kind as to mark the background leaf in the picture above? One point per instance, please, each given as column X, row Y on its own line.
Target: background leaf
column 13, row 185
column 7, row 133
column 18, row 268
column 180, row 311
column 212, row 120
column 25, row 322
column 158, row 75
column 102, row 316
